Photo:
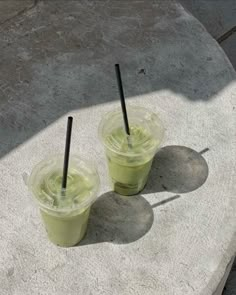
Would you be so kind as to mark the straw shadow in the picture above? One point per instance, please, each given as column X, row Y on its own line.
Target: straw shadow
column 177, row 169
column 163, row 202
column 118, row 219
column 204, row 151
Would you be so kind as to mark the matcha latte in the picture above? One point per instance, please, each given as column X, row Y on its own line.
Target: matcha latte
column 130, row 157
column 65, row 213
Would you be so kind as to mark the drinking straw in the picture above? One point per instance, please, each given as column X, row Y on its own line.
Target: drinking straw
column 67, row 152
column 122, row 99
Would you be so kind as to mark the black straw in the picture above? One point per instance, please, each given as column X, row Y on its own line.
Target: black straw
column 67, row 152
column 122, row 98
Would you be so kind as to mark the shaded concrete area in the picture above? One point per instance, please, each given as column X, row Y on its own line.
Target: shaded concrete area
column 229, row 46
column 54, row 57
column 230, row 288
column 107, row 219
column 57, row 58
column 13, row 8
column 219, row 18
column 177, row 169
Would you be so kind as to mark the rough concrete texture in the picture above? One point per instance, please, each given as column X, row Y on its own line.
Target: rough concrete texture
column 57, row 59
column 230, row 288
column 229, row 46
column 222, row 285
column 218, row 16
column 13, row 8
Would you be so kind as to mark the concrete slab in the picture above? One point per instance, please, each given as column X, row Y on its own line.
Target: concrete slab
column 13, row 8
column 57, row 59
column 38, row 58
column 218, row 16
column 229, row 46
column 230, row 288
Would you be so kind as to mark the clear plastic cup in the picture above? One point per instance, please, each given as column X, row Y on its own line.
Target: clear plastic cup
column 130, row 158
column 65, row 213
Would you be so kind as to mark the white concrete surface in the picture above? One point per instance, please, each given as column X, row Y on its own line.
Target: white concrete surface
column 179, row 234
column 219, row 18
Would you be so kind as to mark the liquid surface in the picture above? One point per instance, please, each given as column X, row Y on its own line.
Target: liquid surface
column 139, row 141
column 50, row 192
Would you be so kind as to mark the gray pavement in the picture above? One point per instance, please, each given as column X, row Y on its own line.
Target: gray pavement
column 57, row 59
column 229, row 46
column 11, row 9
column 230, row 288
column 219, row 18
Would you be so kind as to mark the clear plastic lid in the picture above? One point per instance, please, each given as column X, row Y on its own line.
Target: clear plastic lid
column 146, row 131
column 82, row 184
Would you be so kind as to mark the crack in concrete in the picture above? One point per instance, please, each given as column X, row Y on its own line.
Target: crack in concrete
column 21, row 12
column 226, row 35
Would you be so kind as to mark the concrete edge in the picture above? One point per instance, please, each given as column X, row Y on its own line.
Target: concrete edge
column 222, row 283
column 210, row 36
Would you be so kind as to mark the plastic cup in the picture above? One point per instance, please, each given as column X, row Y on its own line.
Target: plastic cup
column 65, row 213
column 130, row 158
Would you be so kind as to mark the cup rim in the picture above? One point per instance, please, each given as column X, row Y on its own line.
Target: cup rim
column 119, row 111
column 84, row 204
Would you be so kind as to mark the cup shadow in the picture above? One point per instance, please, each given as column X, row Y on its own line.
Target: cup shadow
column 118, row 219
column 177, row 169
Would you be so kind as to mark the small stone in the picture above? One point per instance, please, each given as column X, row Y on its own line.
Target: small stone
column 142, row 71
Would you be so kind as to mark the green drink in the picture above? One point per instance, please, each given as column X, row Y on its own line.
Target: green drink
column 65, row 213
column 130, row 158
